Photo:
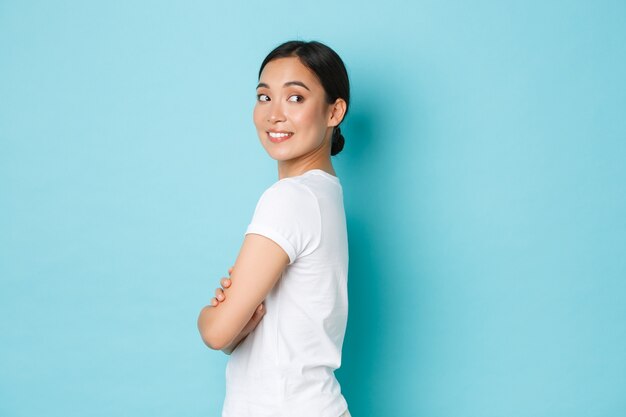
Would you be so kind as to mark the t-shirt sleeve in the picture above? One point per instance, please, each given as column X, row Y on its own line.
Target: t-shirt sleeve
column 288, row 213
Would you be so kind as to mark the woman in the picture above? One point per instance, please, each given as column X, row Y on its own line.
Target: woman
column 282, row 313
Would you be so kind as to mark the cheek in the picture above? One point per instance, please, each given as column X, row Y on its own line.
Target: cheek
column 306, row 118
column 257, row 118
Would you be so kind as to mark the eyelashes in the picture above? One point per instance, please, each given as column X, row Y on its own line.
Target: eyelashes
column 294, row 98
column 298, row 99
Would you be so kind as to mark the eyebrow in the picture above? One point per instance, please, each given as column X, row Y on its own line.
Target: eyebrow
column 287, row 84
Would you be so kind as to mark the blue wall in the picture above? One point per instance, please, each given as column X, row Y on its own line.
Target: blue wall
column 483, row 173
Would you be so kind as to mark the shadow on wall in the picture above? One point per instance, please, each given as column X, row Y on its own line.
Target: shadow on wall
column 383, row 285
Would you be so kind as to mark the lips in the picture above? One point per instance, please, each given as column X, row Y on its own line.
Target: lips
column 277, row 137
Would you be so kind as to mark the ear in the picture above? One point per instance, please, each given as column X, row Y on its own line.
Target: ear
column 337, row 111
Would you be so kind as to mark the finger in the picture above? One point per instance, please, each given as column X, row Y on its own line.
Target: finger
column 230, row 270
column 258, row 316
column 225, row 282
column 213, row 302
column 219, row 294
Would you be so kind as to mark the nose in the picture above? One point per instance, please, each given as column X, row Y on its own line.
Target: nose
column 275, row 113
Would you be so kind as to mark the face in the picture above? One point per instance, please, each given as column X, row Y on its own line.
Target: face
column 291, row 115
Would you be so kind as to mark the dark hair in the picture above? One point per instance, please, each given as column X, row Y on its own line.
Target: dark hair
column 327, row 66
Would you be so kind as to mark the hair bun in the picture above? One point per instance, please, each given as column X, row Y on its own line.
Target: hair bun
column 338, row 142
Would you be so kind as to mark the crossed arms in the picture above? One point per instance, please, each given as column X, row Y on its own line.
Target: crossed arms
column 258, row 268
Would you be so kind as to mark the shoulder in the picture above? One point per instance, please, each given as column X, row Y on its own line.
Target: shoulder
column 290, row 194
column 291, row 206
column 289, row 214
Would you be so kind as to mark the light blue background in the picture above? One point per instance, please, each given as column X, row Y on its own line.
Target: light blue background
column 484, row 178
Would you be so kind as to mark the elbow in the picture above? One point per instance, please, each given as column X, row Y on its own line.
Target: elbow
column 210, row 340
column 212, row 343
column 212, row 336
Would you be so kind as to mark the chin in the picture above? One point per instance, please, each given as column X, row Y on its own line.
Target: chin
column 279, row 156
column 278, row 153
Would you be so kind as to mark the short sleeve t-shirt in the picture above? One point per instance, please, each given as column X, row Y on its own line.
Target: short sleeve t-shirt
column 285, row 367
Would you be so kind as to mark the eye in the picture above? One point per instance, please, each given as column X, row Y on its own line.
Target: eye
column 296, row 99
column 262, row 97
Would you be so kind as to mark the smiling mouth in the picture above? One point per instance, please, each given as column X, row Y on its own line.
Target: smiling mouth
column 278, row 137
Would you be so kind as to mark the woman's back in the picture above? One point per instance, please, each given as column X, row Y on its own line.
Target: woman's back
column 285, row 367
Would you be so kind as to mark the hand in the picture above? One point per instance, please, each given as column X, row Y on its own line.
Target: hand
column 258, row 314
column 220, row 296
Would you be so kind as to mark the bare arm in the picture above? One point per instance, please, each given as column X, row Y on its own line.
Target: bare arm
column 258, row 267
column 220, row 296
column 254, row 321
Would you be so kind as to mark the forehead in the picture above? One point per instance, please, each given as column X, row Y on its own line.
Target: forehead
column 281, row 70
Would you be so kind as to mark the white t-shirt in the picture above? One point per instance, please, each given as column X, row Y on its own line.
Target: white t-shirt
column 285, row 367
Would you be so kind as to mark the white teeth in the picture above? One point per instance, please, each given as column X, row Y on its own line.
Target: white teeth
column 279, row 135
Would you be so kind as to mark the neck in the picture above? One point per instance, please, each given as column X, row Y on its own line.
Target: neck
column 288, row 169
column 317, row 159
